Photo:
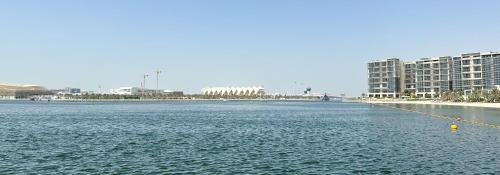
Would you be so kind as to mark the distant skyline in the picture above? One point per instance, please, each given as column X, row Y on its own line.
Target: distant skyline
column 282, row 45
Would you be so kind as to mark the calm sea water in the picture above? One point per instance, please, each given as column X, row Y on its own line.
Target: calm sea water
column 248, row 137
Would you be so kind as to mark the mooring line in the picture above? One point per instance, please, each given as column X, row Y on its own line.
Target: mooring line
column 472, row 122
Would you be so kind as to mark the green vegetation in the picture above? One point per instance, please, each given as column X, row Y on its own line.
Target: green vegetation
column 492, row 96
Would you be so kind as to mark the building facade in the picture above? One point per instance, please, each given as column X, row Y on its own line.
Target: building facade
column 491, row 70
column 384, row 78
column 467, row 72
column 433, row 76
column 410, row 72
column 429, row 77
column 125, row 91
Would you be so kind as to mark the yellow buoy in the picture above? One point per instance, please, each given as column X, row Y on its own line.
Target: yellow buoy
column 453, row 126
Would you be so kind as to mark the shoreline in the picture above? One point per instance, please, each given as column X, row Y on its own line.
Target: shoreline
column 154, row 100
column 464, row 104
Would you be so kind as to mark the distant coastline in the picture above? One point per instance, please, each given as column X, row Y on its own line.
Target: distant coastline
column 155, row 100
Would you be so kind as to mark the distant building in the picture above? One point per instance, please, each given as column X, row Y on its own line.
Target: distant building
column 11, row 91
column 70, row 90
column 172, row 93
column 384, row 78
column 125, row 91
column 234, row 91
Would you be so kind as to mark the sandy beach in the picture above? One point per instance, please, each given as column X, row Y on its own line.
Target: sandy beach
column 468, row 104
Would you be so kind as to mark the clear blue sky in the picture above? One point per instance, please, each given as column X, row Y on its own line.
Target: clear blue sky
column 274, row 43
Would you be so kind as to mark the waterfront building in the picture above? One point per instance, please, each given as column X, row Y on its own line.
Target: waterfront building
column 491, row 70
column 384, row 78
column 173, row 93
column 234, row 91
column 429, row 77
column 467, row 72
column 13, row 91
column 125, row 91
column 409, row 70
column 70, row 90
column 433, row 76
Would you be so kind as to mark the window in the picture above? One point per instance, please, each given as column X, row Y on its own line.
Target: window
column 444, row 65
column 466, row 82
column 466, row 75
column 477, row 61
column 435, row 84
column 427, row 84
column 436, row 77
column 427, row 77
column 435, row 65
column 466, row 69
column 477, row 82
column 427, row 72
column 477, row 68
column 477, row 75
column 427, row 65
column 465, row 62
column 435, row 72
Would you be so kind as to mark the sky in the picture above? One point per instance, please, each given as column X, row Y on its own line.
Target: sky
column 283, row 45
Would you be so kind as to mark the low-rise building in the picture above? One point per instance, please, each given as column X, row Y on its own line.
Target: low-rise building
column 125, row 91
column 234, row 91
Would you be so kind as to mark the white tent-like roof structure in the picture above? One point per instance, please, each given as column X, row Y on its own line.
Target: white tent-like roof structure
column 233, row 91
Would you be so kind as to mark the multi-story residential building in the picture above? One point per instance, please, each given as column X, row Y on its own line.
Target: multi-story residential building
column 476, row 71
column 433, row 76
column 429, row 77
column 409, row 71
column 384, row 78
column 491, row 70
column 467, row 72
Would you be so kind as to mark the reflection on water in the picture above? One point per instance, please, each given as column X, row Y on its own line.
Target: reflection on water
column 242, row 137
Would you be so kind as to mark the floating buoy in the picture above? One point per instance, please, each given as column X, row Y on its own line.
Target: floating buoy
column 453, row 126
column 459, row 119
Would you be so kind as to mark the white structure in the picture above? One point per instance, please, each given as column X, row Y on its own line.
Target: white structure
column 233, row 91
column 125, row 91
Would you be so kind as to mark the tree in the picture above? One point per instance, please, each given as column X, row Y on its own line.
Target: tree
column 494, row 95
column 457, row 96
column 446, row 96
column 475, row 96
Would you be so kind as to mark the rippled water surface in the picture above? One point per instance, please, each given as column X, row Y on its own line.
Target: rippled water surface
column 250, row 137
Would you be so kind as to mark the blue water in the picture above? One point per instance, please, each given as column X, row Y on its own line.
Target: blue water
column 242, row 137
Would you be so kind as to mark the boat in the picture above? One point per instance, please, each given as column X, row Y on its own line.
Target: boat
column 325, row 98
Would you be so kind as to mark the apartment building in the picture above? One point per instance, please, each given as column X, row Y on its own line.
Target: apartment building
column 433, row 76
column 410, row 72
column 384, row 78
column 429, row 77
